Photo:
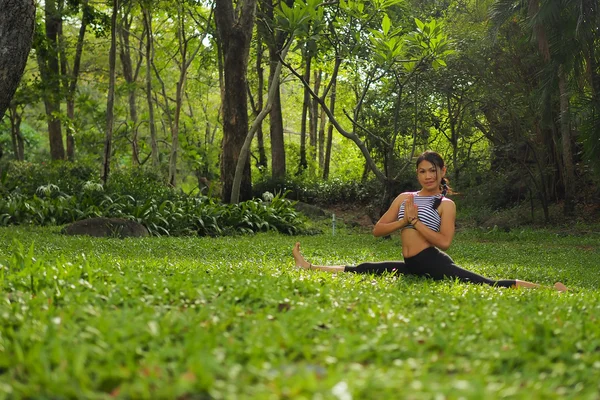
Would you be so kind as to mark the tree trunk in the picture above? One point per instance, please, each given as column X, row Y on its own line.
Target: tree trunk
column 275, row 40
column 321, row 138
column 332, row 99
column 17, row 20
column 149, row 62
column 567, row 153
column 235, row 191
column 16, row 135
column 306, row 104
column 235, row 35
column 47, row 56
column 110, row 103
column 278, row 163
column 130, row 76
column 184, row 63
column 72, row 81
column 262, row 156
column 314, row 114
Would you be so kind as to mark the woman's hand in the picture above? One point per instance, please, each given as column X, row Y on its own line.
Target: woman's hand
column 411, row 210
column 389, row 221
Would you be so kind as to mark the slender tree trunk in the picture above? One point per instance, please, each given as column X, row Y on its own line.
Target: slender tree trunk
column 278, row 163
column 184, row 64
column 314, row 113
column 16, row 135
column 130, row 77
column 275, row 40
column 110, row 103
column 149, row 62
column 323, row 123
column 178, row 97
column 567, row 153
column 17, row 20
column 235, row 192
column 73, row 78
column 262, row 156
column 306, row 104
column 48, row 61
column 332, row 99
column 234, row 26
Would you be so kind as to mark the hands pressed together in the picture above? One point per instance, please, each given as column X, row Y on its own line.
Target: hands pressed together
column 411, row 210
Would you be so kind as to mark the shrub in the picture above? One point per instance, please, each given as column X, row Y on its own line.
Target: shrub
column 187, row 215
column 140, row 183
column 317, row 191
column 25, row 177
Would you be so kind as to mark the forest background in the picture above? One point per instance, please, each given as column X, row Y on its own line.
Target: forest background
column 337, row 97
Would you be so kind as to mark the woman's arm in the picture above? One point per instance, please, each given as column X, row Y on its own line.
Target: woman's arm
column 389, row 221
column 443, row 238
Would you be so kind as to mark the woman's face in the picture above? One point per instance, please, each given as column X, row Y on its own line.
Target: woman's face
column 429, row 176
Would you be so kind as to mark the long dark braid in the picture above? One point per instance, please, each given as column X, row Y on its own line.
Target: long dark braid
column 438, row 162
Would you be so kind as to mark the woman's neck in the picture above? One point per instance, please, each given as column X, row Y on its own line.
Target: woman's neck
column 424, row 192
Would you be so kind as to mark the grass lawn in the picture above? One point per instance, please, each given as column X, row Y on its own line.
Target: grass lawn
column 204, row 318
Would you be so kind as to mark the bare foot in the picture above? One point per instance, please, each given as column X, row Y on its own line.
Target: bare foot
column 560, row 287
column 299, row 260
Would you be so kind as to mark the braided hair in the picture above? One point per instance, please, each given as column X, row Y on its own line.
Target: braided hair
column 438, row 162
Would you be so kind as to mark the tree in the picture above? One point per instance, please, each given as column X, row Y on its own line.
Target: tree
column 234, row 27
column 47, row 51
column 131, row 68
column 258, row 105
column 274, row 38
column 17, row 21
column 149, row 57
column 188, row 47
column 554, row 26
column 386, row 59
column 111, row 91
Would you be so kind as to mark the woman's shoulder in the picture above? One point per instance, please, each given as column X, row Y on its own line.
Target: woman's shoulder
column 447, row 200
column 402, row 196
column 447, row 203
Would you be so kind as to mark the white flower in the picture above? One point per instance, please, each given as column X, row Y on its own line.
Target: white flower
column 341, row 392
column 267, row 196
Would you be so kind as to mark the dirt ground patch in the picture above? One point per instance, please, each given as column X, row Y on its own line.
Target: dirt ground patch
column 353, row 215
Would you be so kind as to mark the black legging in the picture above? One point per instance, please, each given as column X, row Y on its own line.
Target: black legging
column 431, row 263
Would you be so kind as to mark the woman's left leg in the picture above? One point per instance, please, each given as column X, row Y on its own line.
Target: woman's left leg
column 438, row 265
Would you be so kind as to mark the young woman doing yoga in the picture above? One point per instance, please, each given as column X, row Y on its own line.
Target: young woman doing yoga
column 426, row 220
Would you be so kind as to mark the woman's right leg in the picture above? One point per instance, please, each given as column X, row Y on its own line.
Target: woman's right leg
column 302, row 263
column 364, row 268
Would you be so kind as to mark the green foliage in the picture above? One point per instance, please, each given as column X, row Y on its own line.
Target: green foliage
column 26, row 177
column 317, row 191
column 187, row 215
column 140, row 183
column 231, row 318
column 135, row 194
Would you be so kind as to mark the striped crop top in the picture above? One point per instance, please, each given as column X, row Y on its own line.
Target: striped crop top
column 428, row 215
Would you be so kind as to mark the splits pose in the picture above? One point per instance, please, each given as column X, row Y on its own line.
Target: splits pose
column 426, row 220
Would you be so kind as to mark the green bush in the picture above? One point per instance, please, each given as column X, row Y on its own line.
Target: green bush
column 187, row 215
column 140, row 183
column 316, row 191
column 68, row 192
column 26, row 177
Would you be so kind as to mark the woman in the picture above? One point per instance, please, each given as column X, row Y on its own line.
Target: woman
column 426, row 220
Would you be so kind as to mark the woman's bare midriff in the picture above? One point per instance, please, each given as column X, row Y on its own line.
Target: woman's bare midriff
column 412, row 242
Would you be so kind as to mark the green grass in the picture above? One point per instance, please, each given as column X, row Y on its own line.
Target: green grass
column 200, row 318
